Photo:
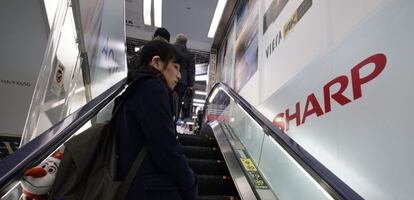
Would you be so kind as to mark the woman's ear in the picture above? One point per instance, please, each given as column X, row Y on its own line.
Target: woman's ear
column 156, row 63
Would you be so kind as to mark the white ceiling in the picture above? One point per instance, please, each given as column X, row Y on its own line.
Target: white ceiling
column 191, row 17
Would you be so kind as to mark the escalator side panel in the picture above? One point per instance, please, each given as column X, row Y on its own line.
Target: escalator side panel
column 240, row 181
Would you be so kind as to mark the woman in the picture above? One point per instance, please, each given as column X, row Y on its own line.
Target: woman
column 147, row 117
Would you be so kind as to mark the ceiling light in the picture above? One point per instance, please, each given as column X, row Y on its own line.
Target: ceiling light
column 147, row 12
column 136, row 49
column 158, row 13
column 216, row 18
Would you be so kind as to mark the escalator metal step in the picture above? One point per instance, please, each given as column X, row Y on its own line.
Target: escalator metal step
column 202, row 152
column 216, row 185
column 208, row 167
column 204, row 156
column 196, row 140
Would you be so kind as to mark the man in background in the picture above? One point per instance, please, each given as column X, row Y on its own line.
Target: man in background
column 161, row 34
column 184, row 87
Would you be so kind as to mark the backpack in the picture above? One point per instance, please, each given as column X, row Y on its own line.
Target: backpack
column 88, row 168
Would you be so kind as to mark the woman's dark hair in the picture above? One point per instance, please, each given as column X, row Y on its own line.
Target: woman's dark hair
column 166, row 51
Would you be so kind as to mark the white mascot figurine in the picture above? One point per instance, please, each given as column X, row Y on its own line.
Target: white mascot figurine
column 38, row 180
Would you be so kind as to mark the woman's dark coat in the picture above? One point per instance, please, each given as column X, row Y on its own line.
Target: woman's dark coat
column 147, row 117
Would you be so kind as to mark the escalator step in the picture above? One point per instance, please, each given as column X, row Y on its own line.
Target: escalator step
column 196, row 140
column 215, row 185
column 202, row 152
column 206, row 130
column 208, row 167
column 214, row 197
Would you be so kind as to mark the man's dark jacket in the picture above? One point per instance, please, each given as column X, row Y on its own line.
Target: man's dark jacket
column 147, row 117
column 187, row 69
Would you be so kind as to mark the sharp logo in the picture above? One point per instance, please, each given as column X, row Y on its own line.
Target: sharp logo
column 314, row 107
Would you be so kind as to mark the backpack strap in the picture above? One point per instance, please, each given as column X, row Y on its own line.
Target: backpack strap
column 132, row 173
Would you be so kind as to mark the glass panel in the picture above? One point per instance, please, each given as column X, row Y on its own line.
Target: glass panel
column 285, row 176
column 16, row 191
column 56, row 81
column 248, row 132
column 223, row 108
column 60, row 84
column 77, row 95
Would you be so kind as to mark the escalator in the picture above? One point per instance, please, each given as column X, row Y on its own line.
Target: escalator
column 204, row 157
column 237, row 153
column 240, row 154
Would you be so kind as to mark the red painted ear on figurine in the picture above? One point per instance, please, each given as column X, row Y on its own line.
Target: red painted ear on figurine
column 38, row 180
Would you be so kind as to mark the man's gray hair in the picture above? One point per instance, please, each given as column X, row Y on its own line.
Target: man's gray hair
column 181, row 38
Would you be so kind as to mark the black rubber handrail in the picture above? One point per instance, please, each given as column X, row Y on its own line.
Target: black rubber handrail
column 329, row 181
column 39, row 148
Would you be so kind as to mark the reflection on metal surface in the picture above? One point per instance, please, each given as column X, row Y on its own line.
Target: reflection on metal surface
column 252, row 171
column 13, row 193
column 240, row 181
column 213, row 95
column 232, row 151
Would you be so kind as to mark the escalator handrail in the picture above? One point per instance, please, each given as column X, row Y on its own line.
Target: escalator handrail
column 317, row 170
column 43, row 145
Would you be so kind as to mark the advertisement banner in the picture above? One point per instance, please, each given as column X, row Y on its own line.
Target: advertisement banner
column 296, row 37
column 227, row 59
column 91, row 21
column 103, row 22
column 246, row 44
column 272, row 13
column 350, row 105
column 20, row 60
column 110, row 58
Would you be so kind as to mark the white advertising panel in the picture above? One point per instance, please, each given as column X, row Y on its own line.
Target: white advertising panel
column 227, row 73
column 295, row 38
column 336, row 76
column 110, row 59
column 246, row 43
column 348, row 101
column 90, row 13
column 103, row 23
column 20, row 60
